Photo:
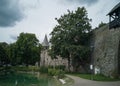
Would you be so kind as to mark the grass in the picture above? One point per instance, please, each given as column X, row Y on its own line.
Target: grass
column 95, row 77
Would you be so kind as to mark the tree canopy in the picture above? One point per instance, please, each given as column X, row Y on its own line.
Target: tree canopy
column 27, row 48
column 70, row 37
column 4, row 59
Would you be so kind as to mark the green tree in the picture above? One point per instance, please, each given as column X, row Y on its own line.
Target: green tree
column 101, row 25
column 4, row 57
column 28, row 49
column 70, row 38
column 13, row 54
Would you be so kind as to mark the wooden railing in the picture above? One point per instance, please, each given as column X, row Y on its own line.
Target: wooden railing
column 115, row 23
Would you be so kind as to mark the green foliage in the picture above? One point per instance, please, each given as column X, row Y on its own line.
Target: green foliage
column 13, row 54
column 4, row 59
column 70, row 38
column 5, row 70
column 28, row 49
column 101, row 25
column 56, row 72
column 61, row 67
column 26, row 69
column 43, row 69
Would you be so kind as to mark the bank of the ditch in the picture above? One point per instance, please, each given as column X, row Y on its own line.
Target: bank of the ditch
column 66, row 81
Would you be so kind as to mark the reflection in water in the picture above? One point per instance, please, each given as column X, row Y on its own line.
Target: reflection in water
column 29, row 79
column 50, row 81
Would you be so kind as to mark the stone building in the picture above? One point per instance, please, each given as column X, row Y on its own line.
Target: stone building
column 46, row 60
column 106, row 45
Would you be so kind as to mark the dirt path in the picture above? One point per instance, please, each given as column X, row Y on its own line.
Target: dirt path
column 83, row 82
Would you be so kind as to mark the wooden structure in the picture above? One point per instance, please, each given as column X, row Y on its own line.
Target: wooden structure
column 114, row 17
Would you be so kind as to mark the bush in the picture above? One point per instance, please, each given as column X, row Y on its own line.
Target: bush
column 60, row 67
column 44, row 69
column 56, row 72
column 25, row 69
column 6, row 70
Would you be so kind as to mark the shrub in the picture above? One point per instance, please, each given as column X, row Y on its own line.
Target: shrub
column 62, row 67
column 25, row 69
column 44, row 69
column 56, row 72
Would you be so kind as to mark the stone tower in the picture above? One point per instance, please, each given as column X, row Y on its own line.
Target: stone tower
column 46, row 59
column 45, row 43
column 44, row 53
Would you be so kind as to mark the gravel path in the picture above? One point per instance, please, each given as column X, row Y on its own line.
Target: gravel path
column 83, row 82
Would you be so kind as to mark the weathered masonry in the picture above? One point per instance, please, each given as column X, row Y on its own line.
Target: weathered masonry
column 46, row 60
column 106, row 43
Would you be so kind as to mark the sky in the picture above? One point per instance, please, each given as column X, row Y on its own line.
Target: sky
column 38, row 16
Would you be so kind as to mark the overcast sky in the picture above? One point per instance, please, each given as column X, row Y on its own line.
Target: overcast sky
column 38, row 16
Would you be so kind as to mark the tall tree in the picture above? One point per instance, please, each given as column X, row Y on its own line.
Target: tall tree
column 13, row 54
column 4, row 55
column 70, row 38
column 27, row 46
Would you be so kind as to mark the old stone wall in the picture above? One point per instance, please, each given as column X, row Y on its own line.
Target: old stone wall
column 46, row 60
column 105, row 52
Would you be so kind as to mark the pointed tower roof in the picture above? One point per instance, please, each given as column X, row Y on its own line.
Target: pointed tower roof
column 45, row 41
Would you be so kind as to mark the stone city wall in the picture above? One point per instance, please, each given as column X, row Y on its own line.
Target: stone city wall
column 46, row 60
column 105, row 52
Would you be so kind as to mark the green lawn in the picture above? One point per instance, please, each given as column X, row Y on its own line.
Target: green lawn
column 95, row 77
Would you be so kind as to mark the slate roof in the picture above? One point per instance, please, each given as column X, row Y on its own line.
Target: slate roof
column 114, row 9
column 45, row 41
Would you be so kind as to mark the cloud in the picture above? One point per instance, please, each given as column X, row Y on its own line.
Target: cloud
column 10, row 12
column 13, row 37
column 88, row 2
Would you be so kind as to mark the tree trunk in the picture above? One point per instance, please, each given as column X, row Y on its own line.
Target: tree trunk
column 69, row 64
